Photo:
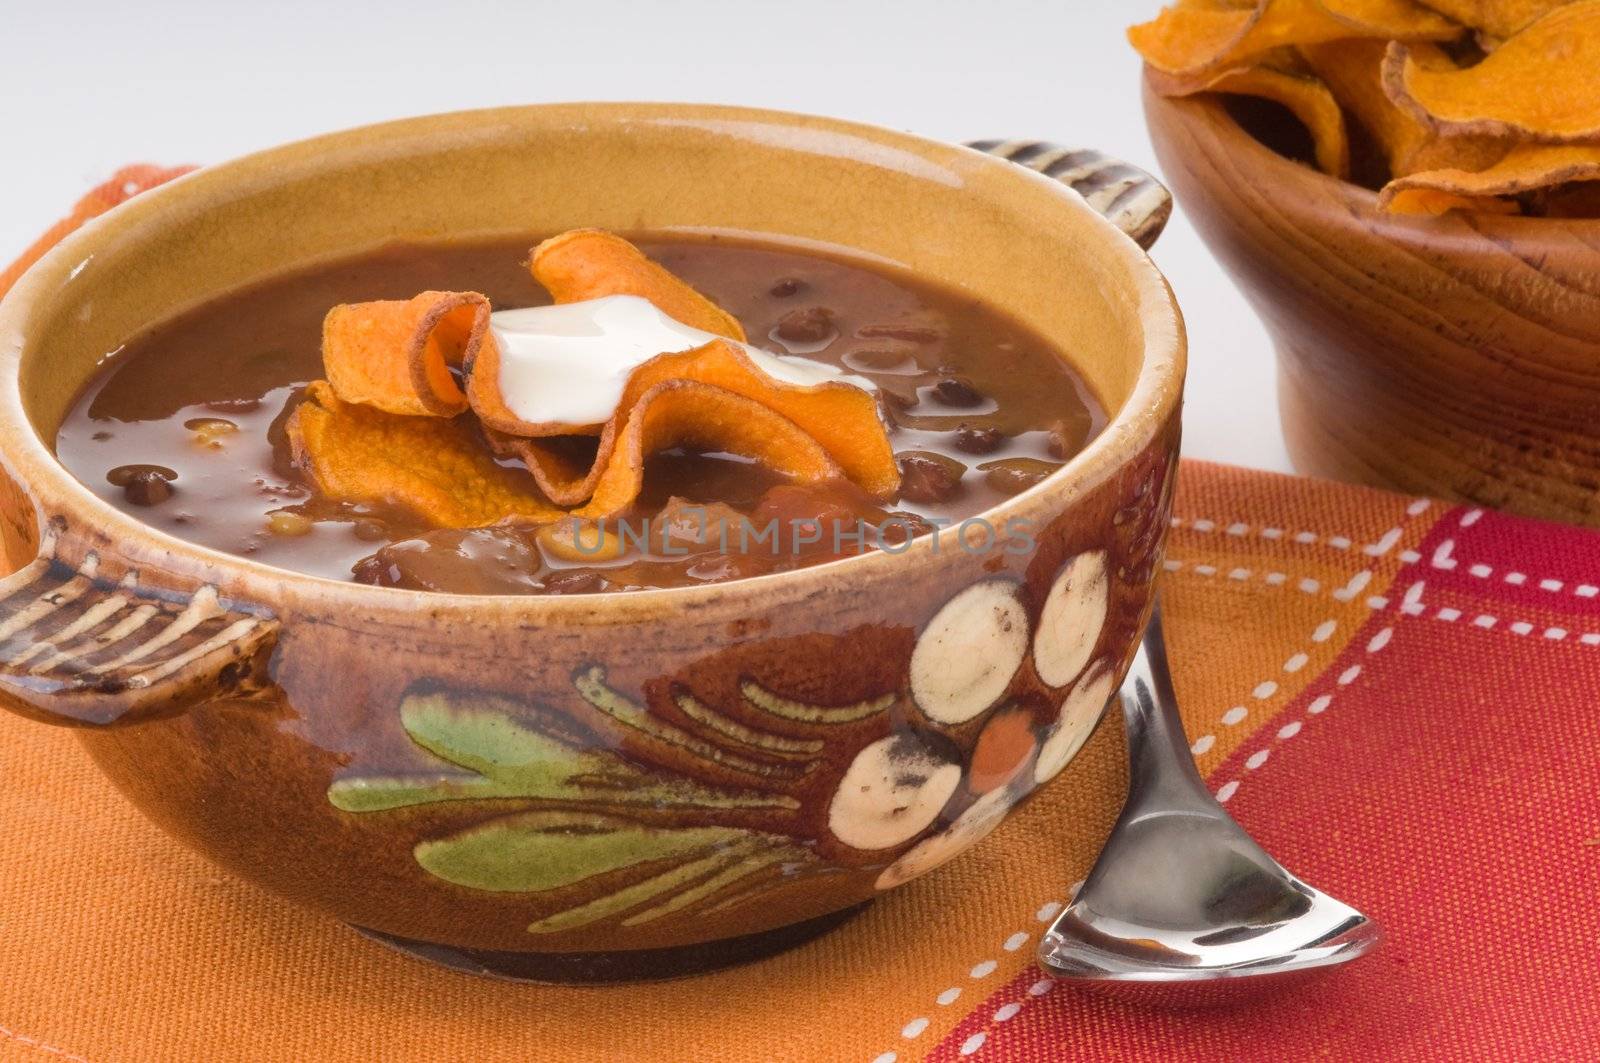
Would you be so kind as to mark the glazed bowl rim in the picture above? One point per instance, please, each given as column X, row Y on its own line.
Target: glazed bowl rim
column 1246, row 149
column 51, row 489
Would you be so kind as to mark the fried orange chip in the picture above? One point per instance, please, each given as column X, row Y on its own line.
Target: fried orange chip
column 1497, row 18
column 842, row 419
column 1525, row 168
column 1437, row 201
column 431, row 467
column 690, row 413
column 1540, row 84
column 566, row 468
column 1187, row 38
column 1353, row 71
column 590, row 263
column 1190, row 37
column 397, row 355
column 1403, row 20
column 1305, row 95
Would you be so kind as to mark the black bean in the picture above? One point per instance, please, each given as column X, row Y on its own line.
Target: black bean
column 376, row 570
column 957, row 391
column 909, row 333
column 147, row 488
column 122, row 475
column 976, row 440
column 876, row 359
column 1062, row 441
column 929, row 477
column 814, row 324
column 573, row 581
column 788, row 286
column 143, row 485
column 1012, row 476
column 901, row 525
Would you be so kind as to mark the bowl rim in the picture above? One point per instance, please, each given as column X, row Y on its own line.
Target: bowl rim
column 1209, row 110
column 51, row 489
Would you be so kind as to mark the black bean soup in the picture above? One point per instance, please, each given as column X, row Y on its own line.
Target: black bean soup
column 184, row 426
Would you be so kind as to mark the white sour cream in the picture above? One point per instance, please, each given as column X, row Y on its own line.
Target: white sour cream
column 568, row 363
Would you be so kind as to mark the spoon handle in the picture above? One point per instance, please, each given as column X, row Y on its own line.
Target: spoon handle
column 1161, row 768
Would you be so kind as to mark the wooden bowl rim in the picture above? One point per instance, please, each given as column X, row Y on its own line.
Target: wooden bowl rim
column 1206, row 110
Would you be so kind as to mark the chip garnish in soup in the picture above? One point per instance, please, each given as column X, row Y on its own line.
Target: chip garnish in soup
column 606, row 415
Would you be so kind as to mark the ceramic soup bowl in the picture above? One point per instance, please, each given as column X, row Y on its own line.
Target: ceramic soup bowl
column 616, row 785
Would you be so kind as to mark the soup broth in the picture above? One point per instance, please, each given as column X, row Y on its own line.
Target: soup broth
column 184, row 428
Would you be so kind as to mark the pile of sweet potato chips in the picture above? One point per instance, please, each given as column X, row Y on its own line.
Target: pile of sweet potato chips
column 1486, row 105
column 412, row 416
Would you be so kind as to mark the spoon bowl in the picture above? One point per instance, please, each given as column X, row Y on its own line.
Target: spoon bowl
column 1183, row 908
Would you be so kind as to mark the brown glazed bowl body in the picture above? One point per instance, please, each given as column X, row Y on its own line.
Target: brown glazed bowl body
column 611, row 776
column 1456, row 357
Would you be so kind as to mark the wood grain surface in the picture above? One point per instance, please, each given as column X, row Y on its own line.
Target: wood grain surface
column 1456, row 356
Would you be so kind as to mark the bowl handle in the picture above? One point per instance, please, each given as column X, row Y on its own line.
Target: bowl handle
column 1131, row 199
column 81, row 649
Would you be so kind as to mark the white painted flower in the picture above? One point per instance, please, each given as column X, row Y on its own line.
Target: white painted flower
column 1070, row 623
column 970, row 828
column 891, row 792
column 1080, row 711
column 969, row 651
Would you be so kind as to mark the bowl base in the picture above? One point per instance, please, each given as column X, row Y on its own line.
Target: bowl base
column 601, row 968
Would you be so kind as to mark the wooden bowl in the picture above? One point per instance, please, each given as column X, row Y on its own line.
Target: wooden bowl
column 1457, row 357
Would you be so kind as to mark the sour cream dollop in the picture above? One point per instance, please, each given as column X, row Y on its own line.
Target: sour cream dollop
column 569, row 363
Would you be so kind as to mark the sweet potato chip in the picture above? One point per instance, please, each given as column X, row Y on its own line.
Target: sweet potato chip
column 1306, row 96
column 434, row 468
column 1353, row 71
column 1498, row 18
column 1403, row 20
column 1437, row 201
column 1525, row 168
column 841, row 418
column 590, row 263
column 566, row 468
column 1190, row 37
column 689, row 413
column 397, row 355
column 1541, row 84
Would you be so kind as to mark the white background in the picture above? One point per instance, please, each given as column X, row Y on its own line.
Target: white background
column 86, row 87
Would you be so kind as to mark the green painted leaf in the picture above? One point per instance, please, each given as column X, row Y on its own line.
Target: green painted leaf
column 546, row 850
column 789, row 709
column 484, row 734
column 512, row 751
column 592, row 687
column 516, row 758
column 734, row 872
column 614, row 903
column 379, row 792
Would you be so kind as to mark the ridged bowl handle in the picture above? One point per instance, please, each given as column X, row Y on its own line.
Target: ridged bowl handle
column 81, row 648
column 1131, row 199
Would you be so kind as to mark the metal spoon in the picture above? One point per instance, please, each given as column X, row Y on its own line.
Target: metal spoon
column 1183, row 908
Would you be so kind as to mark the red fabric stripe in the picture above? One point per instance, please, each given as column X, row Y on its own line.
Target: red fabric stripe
column 1448, row 789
